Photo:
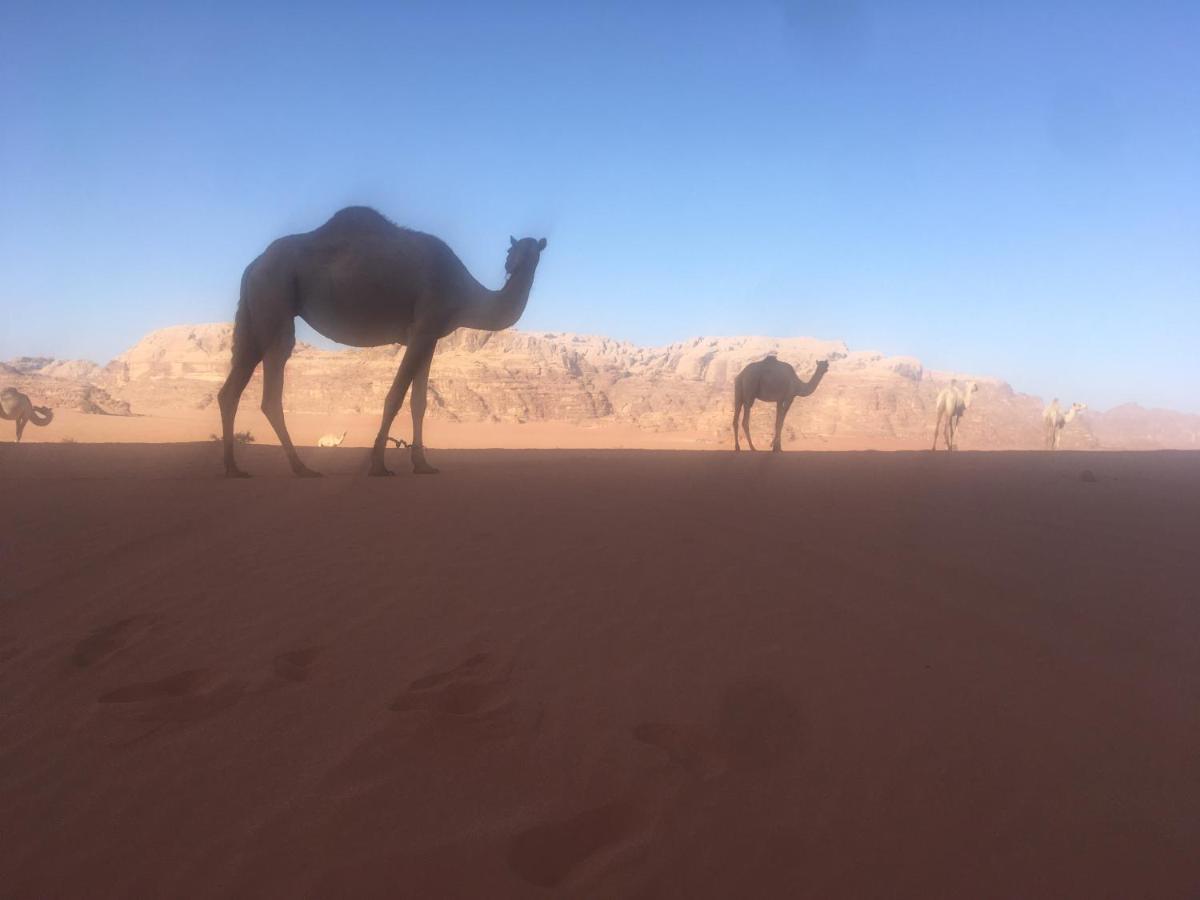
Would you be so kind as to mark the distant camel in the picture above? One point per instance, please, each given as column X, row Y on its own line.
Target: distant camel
column 16, row 406
column 770, row 380
column 952, row 402
column 1055, row 420
column 362, row 280
column 331, row 440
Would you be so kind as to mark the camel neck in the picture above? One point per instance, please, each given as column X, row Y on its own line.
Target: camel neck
column 497, row 310
column 804, row 388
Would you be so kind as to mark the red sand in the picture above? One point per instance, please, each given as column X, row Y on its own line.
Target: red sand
column 169, row 426
column 599, row 674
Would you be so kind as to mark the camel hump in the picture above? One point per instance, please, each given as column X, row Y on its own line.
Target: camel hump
column 360, row 220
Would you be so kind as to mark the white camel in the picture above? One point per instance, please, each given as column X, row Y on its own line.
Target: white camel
column 331, row 440
column 1055, row 420
column 952, row 402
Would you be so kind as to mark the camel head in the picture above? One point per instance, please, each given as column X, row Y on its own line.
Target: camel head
column 822, row 366
column 526, row 251
column 971, row 389
column 1079, row 407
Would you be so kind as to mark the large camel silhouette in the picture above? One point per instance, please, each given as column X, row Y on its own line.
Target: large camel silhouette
column 362, row 280
column 952, row 402
column 15, row 406
column 1055, row 420
column 770, row 380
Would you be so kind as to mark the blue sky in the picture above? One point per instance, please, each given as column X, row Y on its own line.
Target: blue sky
column 1004, row 188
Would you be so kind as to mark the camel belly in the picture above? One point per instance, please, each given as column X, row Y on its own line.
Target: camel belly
column 364, row 300
column 773, row 393
column 355, row 328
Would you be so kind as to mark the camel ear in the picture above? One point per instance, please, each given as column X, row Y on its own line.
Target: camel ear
column 542, row 244
column 512, row 241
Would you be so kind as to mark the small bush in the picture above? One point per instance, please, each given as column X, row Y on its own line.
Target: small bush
column 242, row 437
column 68, row 440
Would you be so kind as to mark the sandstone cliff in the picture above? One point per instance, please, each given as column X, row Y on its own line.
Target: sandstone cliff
column 518, row 376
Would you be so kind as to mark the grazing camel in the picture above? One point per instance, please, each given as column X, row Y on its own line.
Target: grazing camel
column 331, row 440
column 1055, row 420
column 15, row 406
column 952, row 402
column 361, row 280
column 770, row 380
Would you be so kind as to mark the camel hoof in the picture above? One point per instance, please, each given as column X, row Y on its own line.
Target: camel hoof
column 424, row 469
column 380, row 472
column 306, row 472
column 235, row 472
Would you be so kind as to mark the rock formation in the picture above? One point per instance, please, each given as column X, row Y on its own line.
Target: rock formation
column 522, row 376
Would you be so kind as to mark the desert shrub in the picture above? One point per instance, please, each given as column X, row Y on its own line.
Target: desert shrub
column 242, row 437
column 68, row 440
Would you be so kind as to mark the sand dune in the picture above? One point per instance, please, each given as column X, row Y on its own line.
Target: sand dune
column 599, row 674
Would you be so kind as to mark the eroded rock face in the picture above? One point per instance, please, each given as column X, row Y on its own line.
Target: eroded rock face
column 520, row 376
column 60, row 393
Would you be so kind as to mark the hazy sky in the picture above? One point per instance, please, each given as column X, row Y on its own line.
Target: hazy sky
column 1005, row 188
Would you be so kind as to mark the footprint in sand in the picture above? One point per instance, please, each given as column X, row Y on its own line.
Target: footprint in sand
column 757, row 726
column 181, row 698
column 9, row 649
column 108, row 640
column 475, row 692
column 546, row 854
column 295, row 665
column 688, row 747
column 470, row 688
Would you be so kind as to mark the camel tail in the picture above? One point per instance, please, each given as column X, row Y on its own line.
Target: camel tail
column 41, row 416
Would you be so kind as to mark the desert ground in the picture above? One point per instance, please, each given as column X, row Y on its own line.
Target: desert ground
column 182, row 426
column 598, row 673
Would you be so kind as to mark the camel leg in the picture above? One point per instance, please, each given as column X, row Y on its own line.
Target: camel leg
column 414, row 357
column 21, row 420
column 952, row 433
column 781, row 411
column 737, row 409
column 245, row 361
column 272, row 399
column 746, row 423
column 420, row 389
column 936, row 429
column 227, row 399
